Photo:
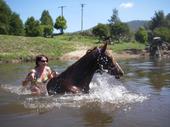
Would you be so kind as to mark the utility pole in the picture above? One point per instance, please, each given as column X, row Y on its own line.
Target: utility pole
column 82, row 6
column 61, row 10
column 61, row 29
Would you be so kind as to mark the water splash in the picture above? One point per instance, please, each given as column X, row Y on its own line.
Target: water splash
column 104, row 90
column 19, row 90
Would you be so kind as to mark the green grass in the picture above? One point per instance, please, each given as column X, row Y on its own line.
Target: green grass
column 21, row 48
column 26, row 48
column 127, row 45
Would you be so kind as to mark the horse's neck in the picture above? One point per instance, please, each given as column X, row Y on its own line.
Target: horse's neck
column 82, row 70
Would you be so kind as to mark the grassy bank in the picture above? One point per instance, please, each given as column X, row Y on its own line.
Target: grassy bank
column 26, row 48
column 18, row 48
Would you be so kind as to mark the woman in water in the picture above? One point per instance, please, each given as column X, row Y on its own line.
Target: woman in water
column 39, row 76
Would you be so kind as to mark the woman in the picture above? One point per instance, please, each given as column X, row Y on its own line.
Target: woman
column 39, row 76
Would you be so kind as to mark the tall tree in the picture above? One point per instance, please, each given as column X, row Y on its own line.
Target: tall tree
column 115, row 17
column 119, row 31
column 16, row 25
column 158, row 20
column 46, row 18
column 46, row 23
column 32, row 27
column 60, row 24
column 168, row 20
column 5, row 13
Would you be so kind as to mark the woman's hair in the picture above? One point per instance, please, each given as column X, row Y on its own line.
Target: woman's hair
column 38, row 59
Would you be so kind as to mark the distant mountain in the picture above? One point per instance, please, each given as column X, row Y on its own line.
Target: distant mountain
column 135, row 24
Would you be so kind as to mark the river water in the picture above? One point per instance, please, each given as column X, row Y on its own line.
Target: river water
column 139, row 99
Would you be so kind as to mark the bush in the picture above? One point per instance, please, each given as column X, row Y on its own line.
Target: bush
column 163, row 32
column 141, row 35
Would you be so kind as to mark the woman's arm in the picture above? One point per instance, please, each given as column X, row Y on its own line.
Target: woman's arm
column 52, row 73
column 29, row 78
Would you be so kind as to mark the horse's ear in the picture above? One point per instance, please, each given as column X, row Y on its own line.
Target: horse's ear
column 103, row 48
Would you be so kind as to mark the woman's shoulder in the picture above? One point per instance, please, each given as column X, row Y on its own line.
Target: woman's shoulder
column 32, row 70
column 48, row 68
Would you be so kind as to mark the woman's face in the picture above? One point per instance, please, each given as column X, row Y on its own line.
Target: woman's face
column 43, row 61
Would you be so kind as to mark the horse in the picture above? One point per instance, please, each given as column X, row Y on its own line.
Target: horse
column 77, row 77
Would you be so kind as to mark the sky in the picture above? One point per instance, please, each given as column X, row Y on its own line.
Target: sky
column 94, row 11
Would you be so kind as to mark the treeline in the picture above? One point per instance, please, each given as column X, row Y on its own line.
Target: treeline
column 11, row 23
column 117, row 31
column 114, row 31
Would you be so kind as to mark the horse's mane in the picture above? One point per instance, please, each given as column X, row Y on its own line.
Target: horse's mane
column 82, row 61
column 90, row 50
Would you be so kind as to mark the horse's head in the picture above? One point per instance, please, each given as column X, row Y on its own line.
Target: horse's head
column 107, row 63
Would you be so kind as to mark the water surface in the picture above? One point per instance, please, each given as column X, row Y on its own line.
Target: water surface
column 140, row 98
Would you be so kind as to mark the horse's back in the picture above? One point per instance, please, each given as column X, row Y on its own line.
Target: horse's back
column 54, row 86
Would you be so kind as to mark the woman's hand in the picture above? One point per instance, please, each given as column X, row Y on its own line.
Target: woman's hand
column 53, row 74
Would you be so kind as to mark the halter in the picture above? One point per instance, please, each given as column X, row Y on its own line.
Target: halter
column 99, row 50
column 104, row 59
column 101, row 58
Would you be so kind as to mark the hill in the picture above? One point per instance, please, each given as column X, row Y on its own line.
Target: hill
column 135, row 24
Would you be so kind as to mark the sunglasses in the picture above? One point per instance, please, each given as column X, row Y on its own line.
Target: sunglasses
column 43, row 61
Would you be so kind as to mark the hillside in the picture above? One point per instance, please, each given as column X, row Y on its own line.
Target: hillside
column 135, row 24
column 20, row 48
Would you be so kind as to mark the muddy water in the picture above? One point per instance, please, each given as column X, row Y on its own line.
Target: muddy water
column 140, row 98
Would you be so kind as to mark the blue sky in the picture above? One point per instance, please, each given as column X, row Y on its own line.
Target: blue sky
column 95, row 11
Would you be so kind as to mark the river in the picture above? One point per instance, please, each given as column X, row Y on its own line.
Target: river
column 139, row 99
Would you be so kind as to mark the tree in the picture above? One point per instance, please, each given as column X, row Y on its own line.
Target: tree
column 141, row 35
column 158, row 20
column 168, row 16
column 46, row 23
column 15, row 25
column 60, row 24
column 5, row 13
column 32, row 27
column 114, row 18
column 168, row 19
column 162, row 32
column 119, row 31
column 101, row 31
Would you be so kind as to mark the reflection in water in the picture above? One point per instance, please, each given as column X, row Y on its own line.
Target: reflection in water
column 155, row 73
column 95, row 117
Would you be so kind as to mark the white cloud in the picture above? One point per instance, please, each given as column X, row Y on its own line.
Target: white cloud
column 126, row 5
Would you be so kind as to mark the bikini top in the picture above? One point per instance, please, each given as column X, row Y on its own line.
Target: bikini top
column 38, row 79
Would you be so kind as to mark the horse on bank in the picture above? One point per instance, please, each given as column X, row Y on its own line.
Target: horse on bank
column 78, row 76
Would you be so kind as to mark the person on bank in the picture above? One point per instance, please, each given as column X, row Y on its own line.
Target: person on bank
column 39, row 76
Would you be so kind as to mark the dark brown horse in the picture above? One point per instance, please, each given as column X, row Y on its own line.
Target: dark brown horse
column 78, row 76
